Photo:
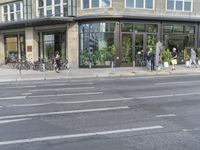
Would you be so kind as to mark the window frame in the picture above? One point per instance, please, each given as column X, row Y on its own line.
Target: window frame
column 17, row 14
column 100, row 5
column 52, row 8
column 183, row 6
column 144, row 5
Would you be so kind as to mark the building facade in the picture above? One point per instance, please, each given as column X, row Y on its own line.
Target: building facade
column 96, row 32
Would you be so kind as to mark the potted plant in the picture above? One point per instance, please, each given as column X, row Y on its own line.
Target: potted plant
column 187, row 57
column 166, row 57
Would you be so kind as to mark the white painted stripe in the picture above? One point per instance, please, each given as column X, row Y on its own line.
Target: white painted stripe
column 155, row 96
column 180, row 82
column 93, row 101
column 14, row 120
column 167, row 115
column 71, row 102
column 61, row 89
column 66, row 112
column 186, row 94
column 20, row 87
column 13, row 98
column 24, row 94
column 69, row 94
column 81, row 135
column 66, row 84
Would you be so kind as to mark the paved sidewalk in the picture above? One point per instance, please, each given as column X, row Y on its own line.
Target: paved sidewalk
column 15, row 75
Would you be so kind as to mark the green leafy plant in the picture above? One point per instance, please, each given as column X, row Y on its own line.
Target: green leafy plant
column 166, row 55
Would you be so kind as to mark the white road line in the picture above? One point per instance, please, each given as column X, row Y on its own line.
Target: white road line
column 14, row 120
column 167, row 115
column 13, row 98
column 66, row 84
column 69, row 94
column 61, row 89
column 186, row 94
column 71, row 102
column 66, row 112
column 155, row 96
column 81, row 135
column 24, row 94
column 20, row 87
column 180, row 82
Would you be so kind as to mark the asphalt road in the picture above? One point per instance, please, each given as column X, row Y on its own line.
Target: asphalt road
column 133, row 113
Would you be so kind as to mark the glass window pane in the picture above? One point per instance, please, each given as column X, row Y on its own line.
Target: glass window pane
column 168, row 29
column 11, row 7
column 41, row 3
column 95, row 27
column 170, row 4
column 127, row 27
column 49, row 11
column 57, row 11
column 179, row 5
column 152, row 28
column 64, row 1
column 12, row 17
column 57, row 1
column 139, row 3
column 95, row 3
column 86, row 4
column 5, row 9
column 5, row 17
column 48, row 2
column 65, row 10
column 41, row 12
column 17, row 6
column 187, row 6
column 130, row 3
column 149, row 3
column 105, row 3
column 190, row 29
column 178, row 29
column 139, row 28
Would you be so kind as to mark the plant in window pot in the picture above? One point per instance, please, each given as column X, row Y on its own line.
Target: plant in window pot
column 166, row 57
column 187, row 57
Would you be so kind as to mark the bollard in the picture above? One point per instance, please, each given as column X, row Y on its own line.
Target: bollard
column 44, row 71
column 90, row 65
column 20, row 70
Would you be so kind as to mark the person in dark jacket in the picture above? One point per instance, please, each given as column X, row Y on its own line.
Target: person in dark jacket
column 151, row 58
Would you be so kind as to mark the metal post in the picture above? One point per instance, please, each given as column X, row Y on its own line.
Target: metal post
column 44, row 70
column 90, row 65
column 20, row 68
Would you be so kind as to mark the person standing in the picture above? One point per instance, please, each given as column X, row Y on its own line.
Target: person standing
column 57, row 59
column 174, row 58
column 193, row 57
column 151, row 58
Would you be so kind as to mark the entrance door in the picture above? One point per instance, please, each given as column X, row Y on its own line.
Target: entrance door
column 139, row 49
column 127, row 49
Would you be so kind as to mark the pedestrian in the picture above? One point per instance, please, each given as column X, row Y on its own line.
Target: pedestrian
column 174, row 58
column 151, row 58
column 193, row 57
column 57, row 61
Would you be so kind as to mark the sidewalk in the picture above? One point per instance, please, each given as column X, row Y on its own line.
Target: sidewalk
column 14, row 75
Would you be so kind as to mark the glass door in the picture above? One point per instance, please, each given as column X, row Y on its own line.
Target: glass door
column 127, row 49
column 139, row 50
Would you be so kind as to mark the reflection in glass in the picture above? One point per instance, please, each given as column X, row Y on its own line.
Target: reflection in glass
column 11, row 49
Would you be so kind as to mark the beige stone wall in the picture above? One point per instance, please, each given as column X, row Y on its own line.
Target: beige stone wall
column 31, row 44
column 118, row 9
column 73, row 45
column 2, row 49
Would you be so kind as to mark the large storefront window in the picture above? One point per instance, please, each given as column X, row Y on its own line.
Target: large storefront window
column 180, row 36
column 15, row 48
column 97, row 44
column 52, row 42
column 62, row 8
column 136, row 40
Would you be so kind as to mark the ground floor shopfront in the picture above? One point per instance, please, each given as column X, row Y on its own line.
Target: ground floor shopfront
column 98, row 43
